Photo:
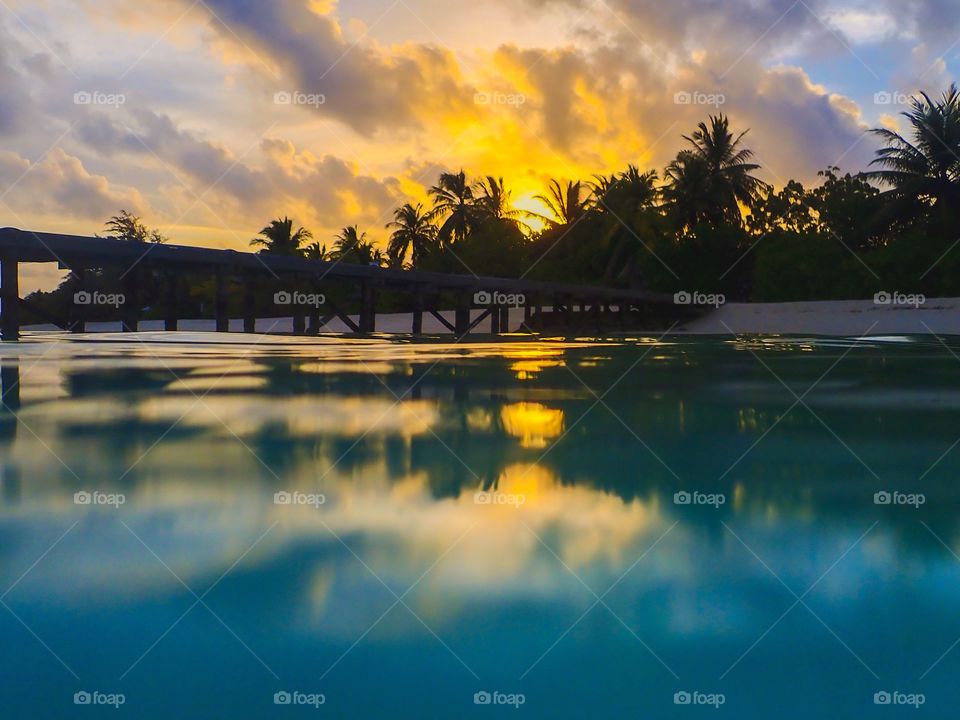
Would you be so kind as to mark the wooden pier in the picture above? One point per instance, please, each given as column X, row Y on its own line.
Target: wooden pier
column 553, row 307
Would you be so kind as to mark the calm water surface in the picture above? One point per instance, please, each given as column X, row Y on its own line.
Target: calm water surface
column 400, row 528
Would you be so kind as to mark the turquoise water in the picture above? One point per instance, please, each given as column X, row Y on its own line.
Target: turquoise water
column 479, row 518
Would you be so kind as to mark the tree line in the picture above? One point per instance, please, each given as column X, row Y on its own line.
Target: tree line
column 705, row 222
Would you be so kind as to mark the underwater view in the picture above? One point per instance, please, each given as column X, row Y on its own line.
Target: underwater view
column 749, row 527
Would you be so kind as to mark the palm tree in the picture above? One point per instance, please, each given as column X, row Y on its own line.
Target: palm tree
column 348, row 239
column 627, row 192
column 278, row 238
column 493, row 200
column 316, row 251
column 926, row 170
column 567, row 205
column 689, row 190
column 413, row 232
column 718, row 165
column 453, row 198
column 627, row 204
column 352, row 246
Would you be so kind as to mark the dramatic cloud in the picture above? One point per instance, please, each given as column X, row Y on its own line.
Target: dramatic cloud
column 16, row 104
column 324, row 189
column 59, row 183
column 366, row 87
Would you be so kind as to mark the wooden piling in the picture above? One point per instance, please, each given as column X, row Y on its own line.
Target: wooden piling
column 130, row 315
column 220, row 302
column 10, row 298
column 313, row 317
column 79, row 324
column 299, row 318
column 495, row 320
column 250, row 304
column 368, row 307
column 418, row 310
column 170, row 315
column 461, row 322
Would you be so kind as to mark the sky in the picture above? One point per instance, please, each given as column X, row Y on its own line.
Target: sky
column 208, row 118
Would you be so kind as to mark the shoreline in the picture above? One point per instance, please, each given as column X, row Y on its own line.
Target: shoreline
column 937, row 316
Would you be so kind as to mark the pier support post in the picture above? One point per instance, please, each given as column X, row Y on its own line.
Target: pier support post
column 461, row 321
column 79, row 324
column 538, row 310
column 299, row 322
column 299, row 317
column 504, row 319
column 368, row 307
column 220, row 309
column 130, row 315
column 250, row 304
column 10, row 298
column 170, row 320
column 418, row 310
column 495, row 320
column 313, row 321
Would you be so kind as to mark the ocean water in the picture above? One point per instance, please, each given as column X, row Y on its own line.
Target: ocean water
column 200, row 526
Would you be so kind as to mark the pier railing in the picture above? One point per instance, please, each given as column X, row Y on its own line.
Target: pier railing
column 425, row 292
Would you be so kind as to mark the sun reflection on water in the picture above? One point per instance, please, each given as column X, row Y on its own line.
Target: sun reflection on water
column 533, row 423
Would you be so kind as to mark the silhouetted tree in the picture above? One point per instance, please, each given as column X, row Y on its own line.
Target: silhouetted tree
column 453, row 201
column 131, row 228
column 493, row 200
column 352, row 246
column 710, row 181
column 567, row 205
column 279, row 238
column 924, row 170
column 316, row 251
column 413, row 233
